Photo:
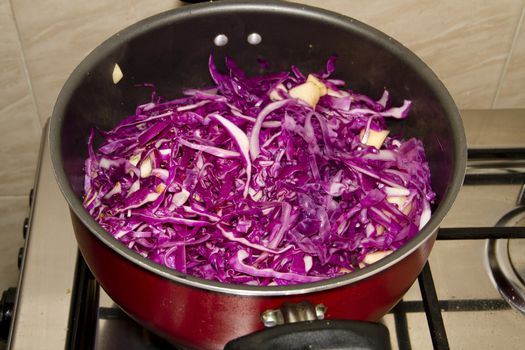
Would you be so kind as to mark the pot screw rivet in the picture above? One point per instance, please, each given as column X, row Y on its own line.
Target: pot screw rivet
column 269, row 318
column 254, row 38
column 220, row 40
column 320, row 309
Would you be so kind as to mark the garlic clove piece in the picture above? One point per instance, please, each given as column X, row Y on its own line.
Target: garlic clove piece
column 371, row 258
column 117, row 74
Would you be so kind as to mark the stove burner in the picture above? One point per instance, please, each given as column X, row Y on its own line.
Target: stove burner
column 506, row 261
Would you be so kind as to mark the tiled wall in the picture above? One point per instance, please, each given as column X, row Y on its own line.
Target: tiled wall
column 476, row 47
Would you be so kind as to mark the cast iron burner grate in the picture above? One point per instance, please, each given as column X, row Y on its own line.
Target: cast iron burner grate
column 486, row 166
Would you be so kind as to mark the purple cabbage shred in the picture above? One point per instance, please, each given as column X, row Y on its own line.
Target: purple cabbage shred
column 242, row 182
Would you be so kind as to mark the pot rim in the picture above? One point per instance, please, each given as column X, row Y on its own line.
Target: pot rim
column 446, row 101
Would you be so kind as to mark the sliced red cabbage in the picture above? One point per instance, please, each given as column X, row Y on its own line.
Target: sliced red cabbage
column 242, row 183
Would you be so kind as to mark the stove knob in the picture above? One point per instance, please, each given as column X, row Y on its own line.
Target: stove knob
column 31, row 193
column 20, row 257
column 7, row 304
column 25, row 229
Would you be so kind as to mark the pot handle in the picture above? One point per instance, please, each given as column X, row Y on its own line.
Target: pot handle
column 301, row 326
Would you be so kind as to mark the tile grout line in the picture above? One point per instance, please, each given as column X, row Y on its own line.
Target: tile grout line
column 14, row 196
column 509, row 57
column 24, row 63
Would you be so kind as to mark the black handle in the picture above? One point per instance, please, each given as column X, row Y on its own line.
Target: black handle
column 317, row 335
column 20, row 257
column 25, row 228
column 7, row 304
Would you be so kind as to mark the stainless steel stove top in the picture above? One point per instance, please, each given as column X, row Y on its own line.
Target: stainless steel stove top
column 474, row 314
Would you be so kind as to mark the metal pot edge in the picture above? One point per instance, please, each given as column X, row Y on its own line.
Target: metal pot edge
column 75, row 204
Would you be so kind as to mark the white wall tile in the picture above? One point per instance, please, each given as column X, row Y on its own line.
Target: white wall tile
column 19, row 125
column 464, row 42
column 512, row 90
column 57, row 34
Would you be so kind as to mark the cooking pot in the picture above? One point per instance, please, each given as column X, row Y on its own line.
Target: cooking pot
column 170, row 50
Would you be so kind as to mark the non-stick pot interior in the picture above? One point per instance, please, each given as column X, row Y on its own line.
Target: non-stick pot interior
column 171, row 52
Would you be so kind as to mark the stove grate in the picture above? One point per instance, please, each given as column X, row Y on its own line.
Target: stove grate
column 486, row 166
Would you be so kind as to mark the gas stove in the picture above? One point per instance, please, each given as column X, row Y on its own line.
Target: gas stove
column 470, row 295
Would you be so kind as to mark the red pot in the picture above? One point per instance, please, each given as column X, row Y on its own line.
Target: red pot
column 171, row 50
column 195, row 317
